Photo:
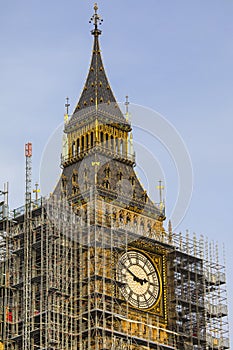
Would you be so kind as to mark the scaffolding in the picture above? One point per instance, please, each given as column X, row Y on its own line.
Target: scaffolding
column 75, row 299
column 198, row 296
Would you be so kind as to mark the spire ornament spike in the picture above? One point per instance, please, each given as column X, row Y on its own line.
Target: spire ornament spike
column 161, row 199
column 96, row 8
column 97, row 20
column 160, row 188
column 170, row 231
column 67, row 105
column 127, row 105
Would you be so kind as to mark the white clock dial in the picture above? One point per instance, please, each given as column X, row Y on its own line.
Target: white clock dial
column 138, row 279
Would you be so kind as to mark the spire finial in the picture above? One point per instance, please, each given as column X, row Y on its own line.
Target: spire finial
column 96, row 8
column 161, row 200
column 160, row 188
column 96, row 19
column 127, row 104
column 170, row 231
column 67, row 105
column 36, row 190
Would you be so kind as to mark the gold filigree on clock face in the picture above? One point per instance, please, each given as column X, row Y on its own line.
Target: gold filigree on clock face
column 138, row 279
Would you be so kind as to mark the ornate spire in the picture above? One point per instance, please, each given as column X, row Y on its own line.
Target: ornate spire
column 97, row 96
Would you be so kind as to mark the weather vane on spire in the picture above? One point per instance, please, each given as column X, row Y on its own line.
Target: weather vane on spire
column 96, row 19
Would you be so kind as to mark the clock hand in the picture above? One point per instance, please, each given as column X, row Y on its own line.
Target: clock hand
column 135, row 278
column 139, row 280
column 154, row 284
column 143, row 281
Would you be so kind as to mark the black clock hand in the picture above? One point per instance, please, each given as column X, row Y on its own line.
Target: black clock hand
column 135, row 278
column 143, row 281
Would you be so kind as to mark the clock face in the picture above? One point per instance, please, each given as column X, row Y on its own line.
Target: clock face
column 138, row 279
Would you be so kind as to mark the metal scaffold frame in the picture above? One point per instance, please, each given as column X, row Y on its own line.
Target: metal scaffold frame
column 198, row 285
column 75, row 302
column 27, row 297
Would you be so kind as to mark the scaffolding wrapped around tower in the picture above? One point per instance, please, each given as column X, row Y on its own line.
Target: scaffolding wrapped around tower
column 76, row 299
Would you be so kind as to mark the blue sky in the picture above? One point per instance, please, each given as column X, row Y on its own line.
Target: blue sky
column 174, row 57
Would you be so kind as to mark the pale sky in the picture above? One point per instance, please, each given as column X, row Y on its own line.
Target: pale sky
column 174, row 57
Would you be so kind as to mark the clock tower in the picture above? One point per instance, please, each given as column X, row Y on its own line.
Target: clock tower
column 92, row 267
column 123, row 280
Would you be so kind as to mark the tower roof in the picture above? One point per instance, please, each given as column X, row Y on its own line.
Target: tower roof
column 97, row 98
